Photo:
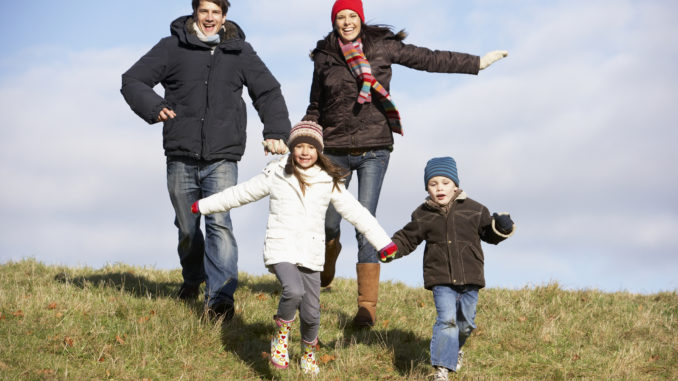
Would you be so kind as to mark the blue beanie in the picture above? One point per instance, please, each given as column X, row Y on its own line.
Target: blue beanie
column 441, row 166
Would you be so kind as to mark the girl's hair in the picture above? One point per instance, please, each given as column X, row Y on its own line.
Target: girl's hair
column 337, row 173
column 368, row 34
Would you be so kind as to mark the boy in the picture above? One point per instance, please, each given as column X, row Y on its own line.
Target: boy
column 452, row 226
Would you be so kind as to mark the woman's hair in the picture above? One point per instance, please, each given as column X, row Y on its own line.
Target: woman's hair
column 368, row 35
column 337, row 173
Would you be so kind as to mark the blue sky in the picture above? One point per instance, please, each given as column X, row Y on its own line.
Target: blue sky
column 573, row 133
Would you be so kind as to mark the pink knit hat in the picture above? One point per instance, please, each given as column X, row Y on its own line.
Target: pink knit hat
column 354, row 5
column 306, row 131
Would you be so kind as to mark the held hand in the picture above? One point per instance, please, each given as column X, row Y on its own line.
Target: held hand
column 503, row 223
column 274, row 147
column 166, row 114
column 388, row 253
column 195, row 208
column 491, row 57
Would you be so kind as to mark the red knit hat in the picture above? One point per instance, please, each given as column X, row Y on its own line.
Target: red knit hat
column 354, row 5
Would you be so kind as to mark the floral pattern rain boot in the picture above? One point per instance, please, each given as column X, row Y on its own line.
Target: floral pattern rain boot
column 279, row 351
column 308, row 361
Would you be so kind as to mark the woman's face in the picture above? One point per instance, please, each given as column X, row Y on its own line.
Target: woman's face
column 347, row 24
column 305, row 155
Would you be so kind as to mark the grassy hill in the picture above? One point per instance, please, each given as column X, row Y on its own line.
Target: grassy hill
column 122, row 323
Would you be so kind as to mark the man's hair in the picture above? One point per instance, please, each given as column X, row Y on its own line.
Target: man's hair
column 223, row 4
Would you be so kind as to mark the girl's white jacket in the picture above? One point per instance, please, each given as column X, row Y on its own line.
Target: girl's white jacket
column 295, row 232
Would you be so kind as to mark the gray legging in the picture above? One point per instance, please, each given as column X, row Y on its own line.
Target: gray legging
column 301, row 290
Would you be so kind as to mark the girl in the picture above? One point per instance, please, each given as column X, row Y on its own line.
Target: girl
column 301, row 185
column 350, row 98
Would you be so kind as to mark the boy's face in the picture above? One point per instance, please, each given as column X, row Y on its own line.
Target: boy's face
column 441, row 189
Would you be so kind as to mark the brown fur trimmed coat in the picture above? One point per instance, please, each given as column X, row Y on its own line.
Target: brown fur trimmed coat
column 453, row 254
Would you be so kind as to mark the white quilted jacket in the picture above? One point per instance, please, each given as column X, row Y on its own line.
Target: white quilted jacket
column 295, row 232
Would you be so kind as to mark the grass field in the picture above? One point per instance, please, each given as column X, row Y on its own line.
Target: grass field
column 123, row 323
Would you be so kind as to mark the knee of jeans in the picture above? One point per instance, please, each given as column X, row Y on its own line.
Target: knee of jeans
column 446, row 321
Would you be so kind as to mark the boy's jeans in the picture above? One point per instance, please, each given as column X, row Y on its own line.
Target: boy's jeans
column 213, row 258
column 371, row 168
column 456, row 308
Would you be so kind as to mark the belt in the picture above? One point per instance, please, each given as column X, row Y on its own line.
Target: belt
column 353, row 151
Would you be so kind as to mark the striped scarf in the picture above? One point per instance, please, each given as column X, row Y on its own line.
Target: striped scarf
column 361, row 69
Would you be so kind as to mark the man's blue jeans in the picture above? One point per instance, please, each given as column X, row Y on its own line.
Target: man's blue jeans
column 371, row 168
column 214, row 257
column 456, row 308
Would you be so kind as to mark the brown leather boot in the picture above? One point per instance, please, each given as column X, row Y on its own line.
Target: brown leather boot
column 368, row 291
column 332, row 249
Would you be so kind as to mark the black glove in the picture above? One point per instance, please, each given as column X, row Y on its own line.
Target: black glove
column 503, row 223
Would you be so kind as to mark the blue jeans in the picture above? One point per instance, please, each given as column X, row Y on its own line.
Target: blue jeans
column 456, row 308
column 371, row 168
column 214, row 257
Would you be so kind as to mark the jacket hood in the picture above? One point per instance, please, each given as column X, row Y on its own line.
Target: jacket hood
column 182, row 28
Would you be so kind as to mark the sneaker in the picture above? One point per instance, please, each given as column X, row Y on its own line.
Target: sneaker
column 441, row 373
column 188, row 293
column 219, row 310
column 460, row 360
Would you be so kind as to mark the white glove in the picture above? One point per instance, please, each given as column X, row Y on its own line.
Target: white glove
column 274, row 146
column 489, row 58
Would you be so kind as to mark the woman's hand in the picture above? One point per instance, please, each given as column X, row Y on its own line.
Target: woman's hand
column 491, row 57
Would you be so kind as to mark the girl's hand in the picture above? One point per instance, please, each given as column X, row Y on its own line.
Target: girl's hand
column 388, row 253
column 274, row 147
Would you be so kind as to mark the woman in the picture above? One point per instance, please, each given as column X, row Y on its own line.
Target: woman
column 350, row 99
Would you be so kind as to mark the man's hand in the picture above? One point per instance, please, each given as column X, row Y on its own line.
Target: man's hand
column 275, row 147
column 166, row 114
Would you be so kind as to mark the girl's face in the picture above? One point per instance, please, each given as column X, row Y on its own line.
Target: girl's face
column 305, row 155
column 347, row 24
column 441, row 189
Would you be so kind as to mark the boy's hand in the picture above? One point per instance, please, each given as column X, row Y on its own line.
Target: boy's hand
column 388, row 253
column 503, row 223
column 195, row 208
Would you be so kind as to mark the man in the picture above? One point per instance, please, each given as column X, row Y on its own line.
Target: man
column 203, row 66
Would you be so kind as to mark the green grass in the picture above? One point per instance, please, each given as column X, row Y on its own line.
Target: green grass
column 123, row 323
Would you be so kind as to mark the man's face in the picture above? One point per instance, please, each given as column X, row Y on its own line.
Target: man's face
column 209, row 18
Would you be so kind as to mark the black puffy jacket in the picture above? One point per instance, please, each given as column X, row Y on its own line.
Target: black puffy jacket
column 204, row 87
column 334, row 90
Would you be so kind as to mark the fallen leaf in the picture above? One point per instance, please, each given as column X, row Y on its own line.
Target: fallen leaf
column 262, row 296
column 144, row 319
column 324, row 359
column 119, row 339
column 384, row 323
column 152, row 312
column 108, row 373
column 575, row 357
column 102, row 359
column 68, row 341
column 59, row 314
column 52, row 306
column 654, row 358
column 522, row 319
column 18, row 313
column 46, row 372
column 422, row 304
